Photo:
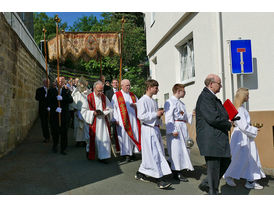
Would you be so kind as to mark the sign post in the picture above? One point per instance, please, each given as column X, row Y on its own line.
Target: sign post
column 241, row 58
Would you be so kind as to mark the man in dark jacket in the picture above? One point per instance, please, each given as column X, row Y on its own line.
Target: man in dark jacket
column 41, row 95
column 109, row 93
column 212, row 126
column 52, row 101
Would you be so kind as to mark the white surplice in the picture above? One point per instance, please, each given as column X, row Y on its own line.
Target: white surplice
column 154, row 163
column 81, row 128
column 245, row 161
column 126, row 144
column 102, row 138
column 178, row 153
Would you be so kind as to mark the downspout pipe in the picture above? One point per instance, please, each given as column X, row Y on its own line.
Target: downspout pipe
column 221, row 53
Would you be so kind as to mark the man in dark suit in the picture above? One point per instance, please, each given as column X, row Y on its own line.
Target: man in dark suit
column 41, row 95
column 212, row 126
column 52, row 101
column 109, row 93
column 106, row 87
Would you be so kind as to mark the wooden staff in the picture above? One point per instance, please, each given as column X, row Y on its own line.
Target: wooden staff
column 57, row 20
column 46, row 62
column 101, row 73
column 122, row 32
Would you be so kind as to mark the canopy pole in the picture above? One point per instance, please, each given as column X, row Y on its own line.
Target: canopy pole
column 121, row 54
column 57, row 20
column 101, row 73
column 46, row 60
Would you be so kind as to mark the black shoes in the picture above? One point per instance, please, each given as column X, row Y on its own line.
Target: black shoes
column 127, row 159
column 178, row 176
column 141, row 176
column 203, row 187
column 163, row 184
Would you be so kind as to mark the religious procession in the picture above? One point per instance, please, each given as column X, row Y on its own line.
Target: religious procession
column 110, row 122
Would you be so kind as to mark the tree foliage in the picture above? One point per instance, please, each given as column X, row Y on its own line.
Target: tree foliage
column 41, row 20
column 134, row 45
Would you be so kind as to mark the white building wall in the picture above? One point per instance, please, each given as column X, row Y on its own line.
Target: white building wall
column 164, row 21
column 212, row 55
column 259, row 27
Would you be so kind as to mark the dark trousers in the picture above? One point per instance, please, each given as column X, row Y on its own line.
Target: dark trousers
column 44, row 123
column 216, row 167
column 59, row 132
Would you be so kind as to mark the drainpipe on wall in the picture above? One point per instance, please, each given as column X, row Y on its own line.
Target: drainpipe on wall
column 221, row 52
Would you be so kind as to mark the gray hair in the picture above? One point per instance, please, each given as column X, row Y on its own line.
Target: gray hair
column 97, row 82
column 124, row 80
column 209, row 79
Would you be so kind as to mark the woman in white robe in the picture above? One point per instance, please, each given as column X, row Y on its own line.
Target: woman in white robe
column 245, row 161
column 176, row 118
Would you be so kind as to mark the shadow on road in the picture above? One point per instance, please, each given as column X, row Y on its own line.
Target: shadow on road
column 32, row 168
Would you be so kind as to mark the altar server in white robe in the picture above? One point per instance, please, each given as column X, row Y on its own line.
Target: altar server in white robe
column 95, row 112
column 176, row 118
column 245, row 161
column 127, row 124
column 81, row 128
column 154, row 163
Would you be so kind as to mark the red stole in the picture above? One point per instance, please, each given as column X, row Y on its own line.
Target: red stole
column 125, row 117
column 92, row 127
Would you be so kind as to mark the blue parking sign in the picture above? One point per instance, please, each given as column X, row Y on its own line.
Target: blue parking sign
column 241, row 56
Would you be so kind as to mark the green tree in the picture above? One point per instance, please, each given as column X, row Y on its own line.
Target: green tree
column 42, row 20
column 134, row 49
column 86, row 23
column 134, row 45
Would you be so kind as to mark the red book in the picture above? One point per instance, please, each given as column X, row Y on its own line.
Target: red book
column 231, row 110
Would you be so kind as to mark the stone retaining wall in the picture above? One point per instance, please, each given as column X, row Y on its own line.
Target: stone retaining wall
column 20, row 76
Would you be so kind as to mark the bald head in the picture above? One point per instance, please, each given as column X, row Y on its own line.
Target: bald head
column 125, row 84
column 210, row 78
column 213, row 82
column 46, row 82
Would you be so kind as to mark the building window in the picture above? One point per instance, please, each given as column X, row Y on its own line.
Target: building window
column 187, row 61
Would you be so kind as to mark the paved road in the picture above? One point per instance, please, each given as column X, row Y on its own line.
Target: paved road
column 32, row 169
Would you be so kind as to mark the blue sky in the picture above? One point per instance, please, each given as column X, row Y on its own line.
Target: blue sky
column 70, row 17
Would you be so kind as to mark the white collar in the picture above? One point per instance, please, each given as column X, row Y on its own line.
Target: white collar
column 211, row 91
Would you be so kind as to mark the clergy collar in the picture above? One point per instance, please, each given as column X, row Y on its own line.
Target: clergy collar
column 124, row 92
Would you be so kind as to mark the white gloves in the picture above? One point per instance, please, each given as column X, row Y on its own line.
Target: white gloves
column 59, row 98
column 59, row 109
column 48, row 108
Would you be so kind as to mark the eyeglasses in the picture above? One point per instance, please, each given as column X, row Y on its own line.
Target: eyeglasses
column 220, row 84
